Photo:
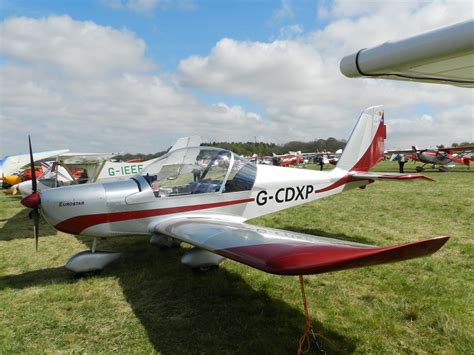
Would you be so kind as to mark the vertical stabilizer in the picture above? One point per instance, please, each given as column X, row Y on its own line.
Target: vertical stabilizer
column 365, row 147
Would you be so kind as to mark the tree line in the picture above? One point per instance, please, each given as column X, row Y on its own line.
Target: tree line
column 265, row 149
column 261, row 148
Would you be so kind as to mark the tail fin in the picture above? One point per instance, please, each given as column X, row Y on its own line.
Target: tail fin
column 365, row 147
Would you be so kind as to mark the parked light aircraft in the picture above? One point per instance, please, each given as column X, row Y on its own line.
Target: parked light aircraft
column 444, row 157
column 203, row 196
column 10, row 165
column 292, row 158
column 82, row 168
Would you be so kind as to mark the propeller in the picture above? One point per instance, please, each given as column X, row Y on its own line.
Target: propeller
column 33, row 201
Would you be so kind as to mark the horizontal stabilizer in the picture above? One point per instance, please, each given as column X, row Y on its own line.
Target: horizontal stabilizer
column 285, row 252
column 388, row 176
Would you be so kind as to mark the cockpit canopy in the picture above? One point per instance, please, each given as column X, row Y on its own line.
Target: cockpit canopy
column 196, row 170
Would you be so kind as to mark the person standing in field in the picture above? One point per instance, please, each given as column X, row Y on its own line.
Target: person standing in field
column 401, row 162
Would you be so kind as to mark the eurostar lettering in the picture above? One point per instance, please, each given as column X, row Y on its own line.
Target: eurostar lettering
column 70, row 203
column 285, row 194
column 126, row 170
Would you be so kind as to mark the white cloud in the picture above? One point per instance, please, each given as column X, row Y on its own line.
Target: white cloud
column 83, row 86
column 86, row 87
column 147, row 6
column 290, row 31
column 72, row 48
column 282, row 13
column 448, row 126
column 298, row 80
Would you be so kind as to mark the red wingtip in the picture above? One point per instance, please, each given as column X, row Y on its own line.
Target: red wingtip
column 285, row 259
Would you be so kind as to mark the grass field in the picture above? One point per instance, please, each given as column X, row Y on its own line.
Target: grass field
column 147, row 302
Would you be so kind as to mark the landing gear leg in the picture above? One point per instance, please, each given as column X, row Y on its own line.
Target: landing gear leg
column 419, row 169
column 91, row 262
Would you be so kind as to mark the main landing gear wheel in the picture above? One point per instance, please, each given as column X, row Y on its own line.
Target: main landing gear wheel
column 91, row 262
column 200, row 260
column 419, row 169
column 164, row 242
column 204, row 269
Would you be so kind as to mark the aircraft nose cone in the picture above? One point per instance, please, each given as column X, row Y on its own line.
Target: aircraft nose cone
column 32, row 200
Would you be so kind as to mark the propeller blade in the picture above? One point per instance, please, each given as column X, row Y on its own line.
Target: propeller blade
column 32, row 167
column 34, row 186
column 36, row 226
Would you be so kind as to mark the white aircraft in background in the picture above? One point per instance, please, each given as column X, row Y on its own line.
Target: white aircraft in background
column 10, row 165
column 82, row 168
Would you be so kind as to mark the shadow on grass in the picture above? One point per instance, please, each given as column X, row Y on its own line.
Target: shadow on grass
column 185, row 312
column 20, row 226
column 322, row 233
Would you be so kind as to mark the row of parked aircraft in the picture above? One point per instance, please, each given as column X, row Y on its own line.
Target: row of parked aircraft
column 297, row 158
column 78, row 168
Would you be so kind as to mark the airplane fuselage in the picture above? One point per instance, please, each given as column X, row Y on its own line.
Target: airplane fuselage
column 440, row 158
column 129, row 206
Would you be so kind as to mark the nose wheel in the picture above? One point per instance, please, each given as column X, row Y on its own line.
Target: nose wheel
column 91, row 262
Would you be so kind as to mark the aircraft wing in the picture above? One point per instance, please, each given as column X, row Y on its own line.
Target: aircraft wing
column 403, row 151
column 444, row 55
column 284, row 252
column 456, row 149
column 11, row 164
column 85, row 158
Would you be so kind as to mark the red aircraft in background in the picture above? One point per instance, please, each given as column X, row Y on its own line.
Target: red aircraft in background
column 443, row 157
column 292, row 158
column 24, row 175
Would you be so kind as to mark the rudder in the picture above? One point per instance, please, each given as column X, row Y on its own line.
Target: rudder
column 365, row 147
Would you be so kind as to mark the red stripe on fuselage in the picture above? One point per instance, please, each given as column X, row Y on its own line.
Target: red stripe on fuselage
column 77, row 224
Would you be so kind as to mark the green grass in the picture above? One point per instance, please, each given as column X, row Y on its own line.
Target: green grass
column 147, row 302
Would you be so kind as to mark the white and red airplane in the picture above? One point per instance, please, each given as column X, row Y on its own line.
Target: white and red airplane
column 443, row 157
column 175, row 202
column 292, row 158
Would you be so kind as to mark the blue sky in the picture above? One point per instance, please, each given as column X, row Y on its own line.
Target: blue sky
column 174, row 32
column 134, row 75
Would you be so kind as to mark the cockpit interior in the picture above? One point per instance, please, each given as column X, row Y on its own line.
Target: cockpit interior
column 197, row 170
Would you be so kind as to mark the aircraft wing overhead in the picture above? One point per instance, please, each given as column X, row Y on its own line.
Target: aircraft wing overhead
column 402, row 151
column 444, row 55
column 457, row 149
column 12, row 164
column 284, row 252
column 85, row 158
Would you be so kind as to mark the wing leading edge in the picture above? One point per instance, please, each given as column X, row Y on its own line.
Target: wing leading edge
column 287, row 253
